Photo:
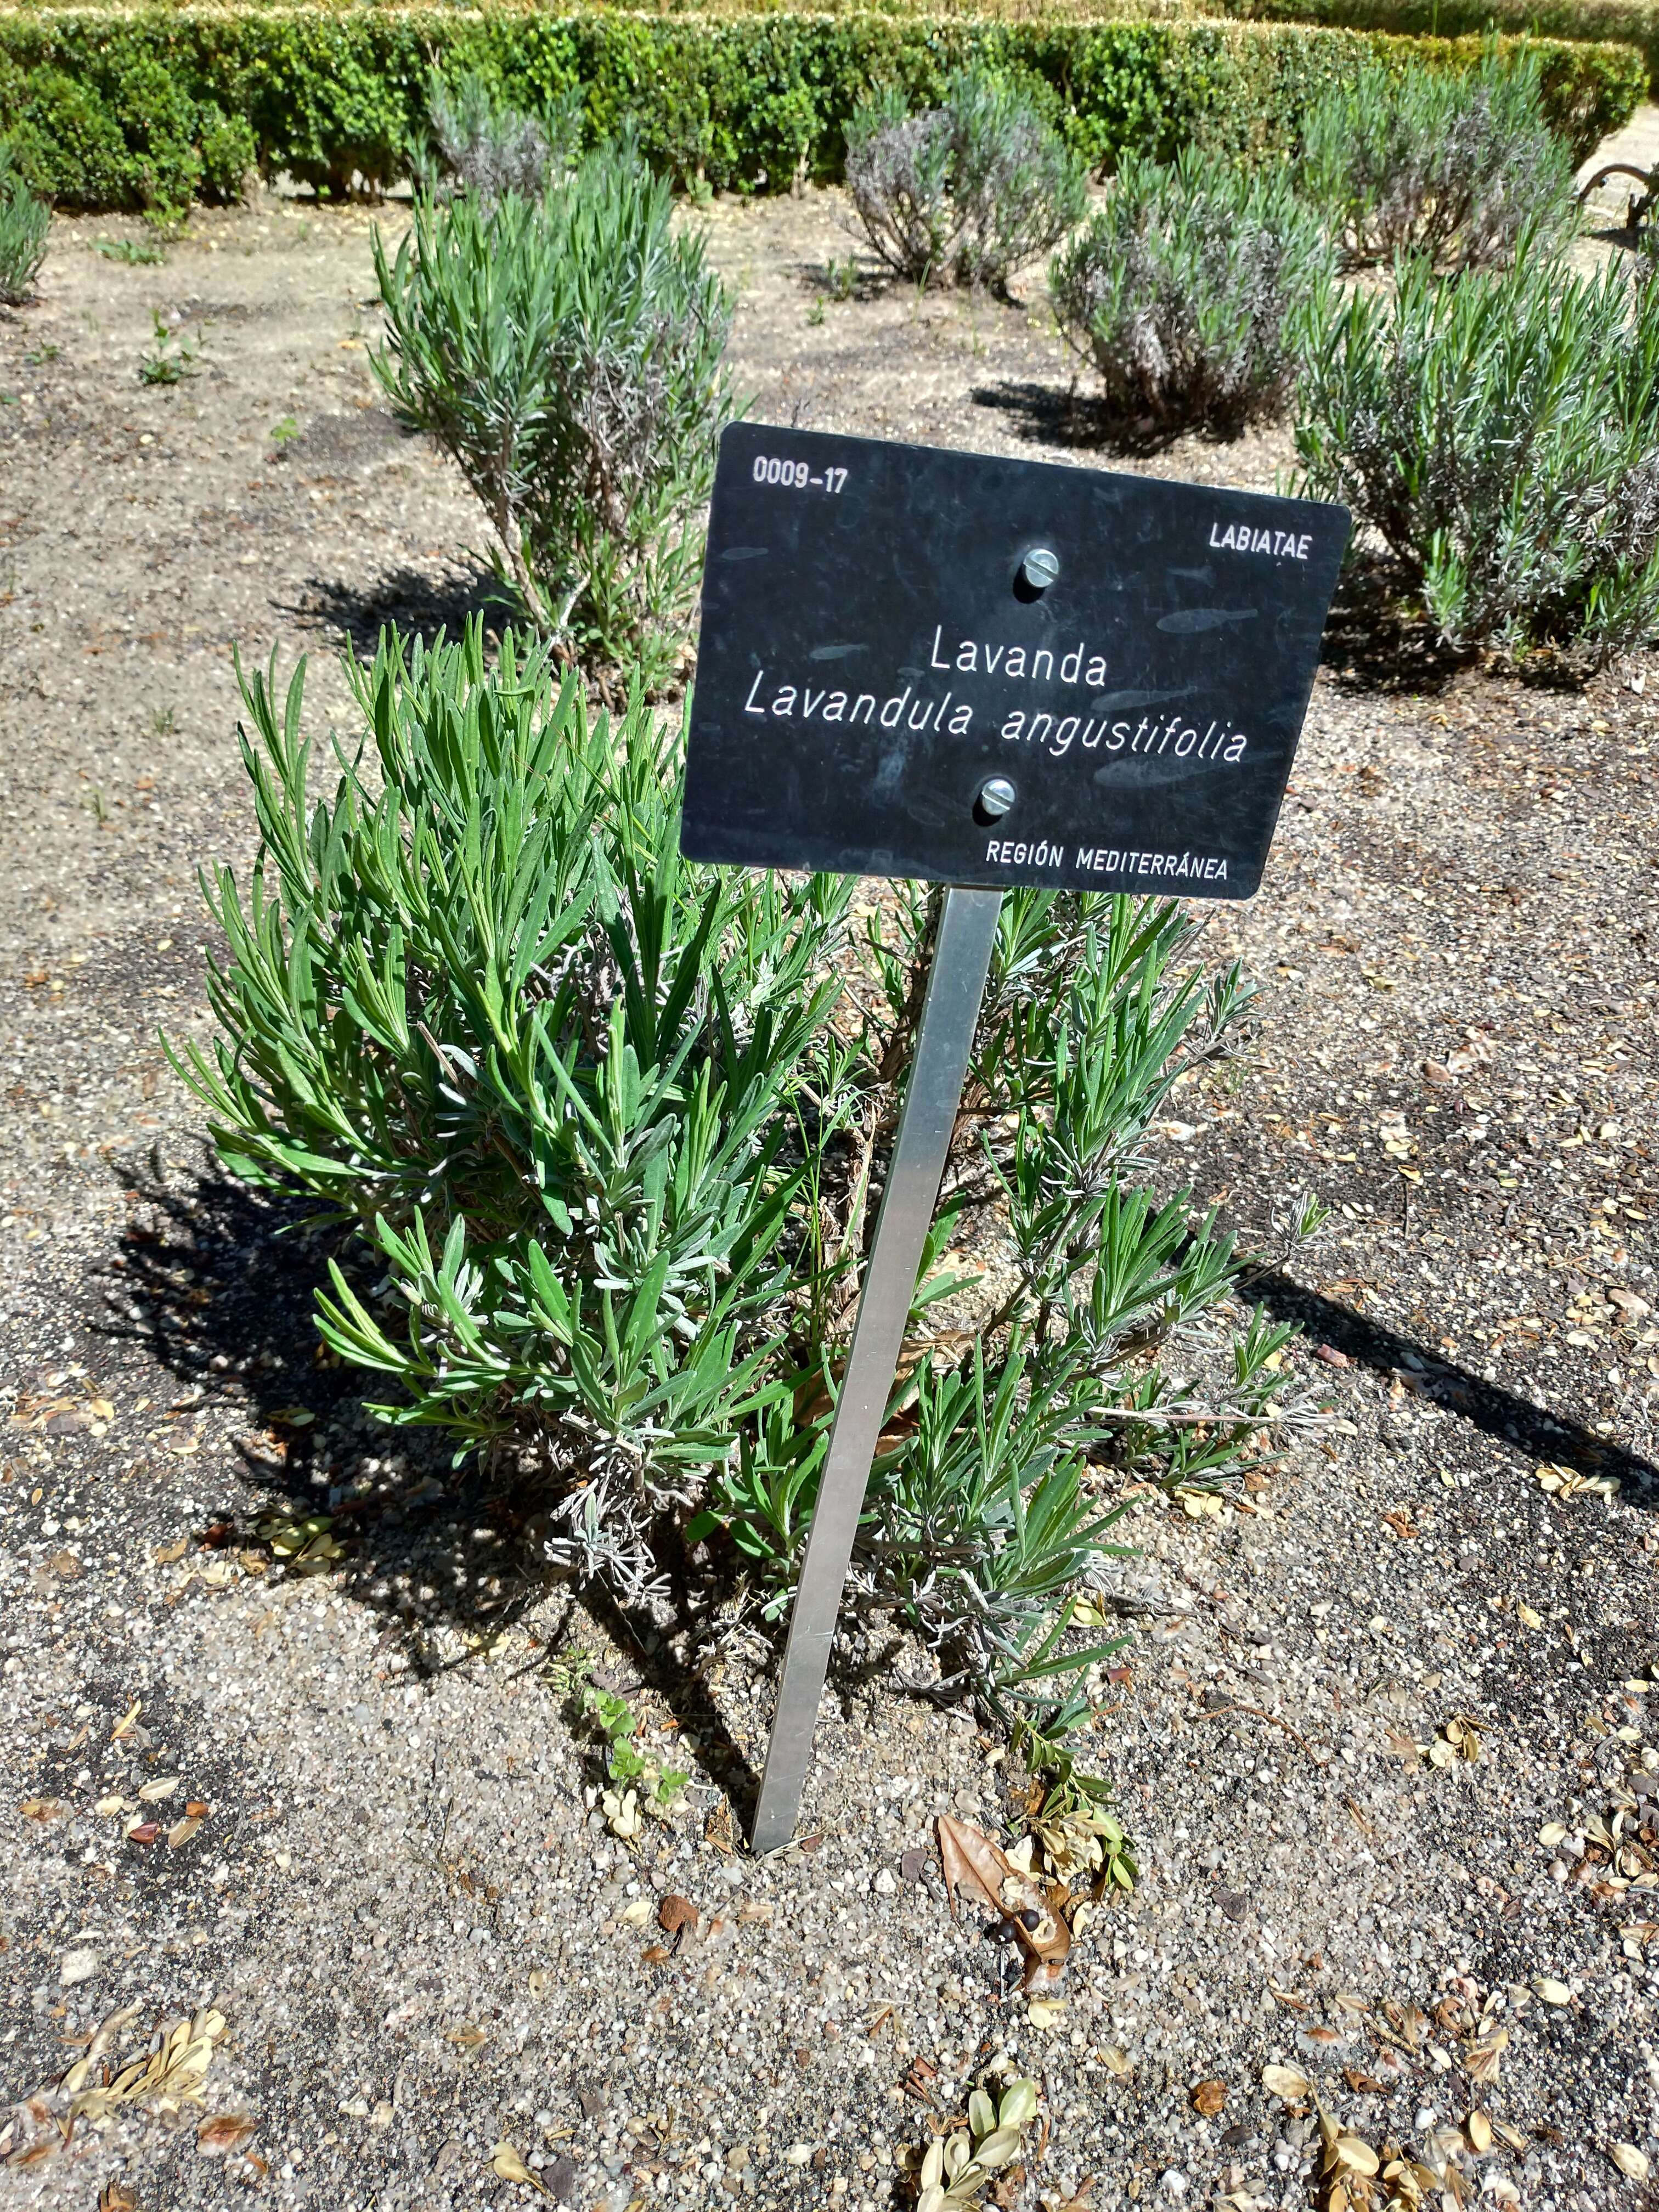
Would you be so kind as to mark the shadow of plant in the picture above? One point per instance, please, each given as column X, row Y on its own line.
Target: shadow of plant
column 1063, row 415
column 419, row 605
column 215, row 1282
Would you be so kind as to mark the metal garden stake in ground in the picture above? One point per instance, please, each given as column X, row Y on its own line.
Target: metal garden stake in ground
column 981, row 673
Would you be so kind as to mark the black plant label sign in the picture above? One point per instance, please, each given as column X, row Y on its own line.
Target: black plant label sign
column 983, row 671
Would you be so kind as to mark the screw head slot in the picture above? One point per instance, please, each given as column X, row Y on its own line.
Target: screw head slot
column 1040, row 567
column 996, row 796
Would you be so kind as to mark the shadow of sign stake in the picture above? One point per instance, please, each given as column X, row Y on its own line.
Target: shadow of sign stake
column 981, row 673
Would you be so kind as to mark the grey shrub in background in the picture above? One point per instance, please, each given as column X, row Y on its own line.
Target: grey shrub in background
column 1453, row 165
column 1180, row 290
column 968, row 193
column 475, row 143
column 567, row 351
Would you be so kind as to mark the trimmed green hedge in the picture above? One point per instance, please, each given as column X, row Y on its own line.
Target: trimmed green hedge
column 145, row 109
column 1634, row 22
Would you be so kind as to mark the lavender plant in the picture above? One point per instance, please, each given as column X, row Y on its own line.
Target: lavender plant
column 606, row 1125
column 1180, row 293
column 25, row 221
column 1458, row 166
column 567, row 350
column 967, row 192
column 1499, row 432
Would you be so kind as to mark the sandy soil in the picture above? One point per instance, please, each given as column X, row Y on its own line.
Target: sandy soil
column 398, row 1898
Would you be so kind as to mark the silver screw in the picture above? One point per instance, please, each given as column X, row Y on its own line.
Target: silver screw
column 1040, row 567
column 996, row 796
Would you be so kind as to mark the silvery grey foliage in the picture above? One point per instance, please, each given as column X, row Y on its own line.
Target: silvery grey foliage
column 478, row 144
column 1180, row 292
column 1457, row 166
column 1498, row 429
column 968, row 193
column 605, row 1123
column 567, row 351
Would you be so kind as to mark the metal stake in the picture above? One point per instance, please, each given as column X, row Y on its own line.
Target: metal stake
column 961, row 960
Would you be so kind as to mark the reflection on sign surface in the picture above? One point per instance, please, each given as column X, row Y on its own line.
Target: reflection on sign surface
column 893, row 636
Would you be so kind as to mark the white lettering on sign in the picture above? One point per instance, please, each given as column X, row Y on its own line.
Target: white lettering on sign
column 1004, row 852
column 806, row 702
column 1060, row 732
column 1240, row 537
column 925, row 711
column 1104, row 860
column 973, row 656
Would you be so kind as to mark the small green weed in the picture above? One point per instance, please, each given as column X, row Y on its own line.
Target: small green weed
column 841, row 278
column 640, row 1779
column 174, row 358
column 642, row 1783
column 136, row 253
column 285, row 432
column 40, row 355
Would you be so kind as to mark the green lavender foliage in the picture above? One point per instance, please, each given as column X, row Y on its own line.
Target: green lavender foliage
column 1499, row 431
column 477, row 1007
column 1458, row 167
column 985, row 1511
column 24, row 223
column 605, row 1125
column 966, row 192
column 1180, row 291
column 567, row 350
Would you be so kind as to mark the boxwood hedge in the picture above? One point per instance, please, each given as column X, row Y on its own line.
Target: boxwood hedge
column 1634, row 22
column 149, row 108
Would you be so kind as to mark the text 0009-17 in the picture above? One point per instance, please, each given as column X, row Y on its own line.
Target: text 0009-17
column 795, row 476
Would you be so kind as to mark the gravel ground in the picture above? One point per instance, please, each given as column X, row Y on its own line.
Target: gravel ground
column 413, row 1936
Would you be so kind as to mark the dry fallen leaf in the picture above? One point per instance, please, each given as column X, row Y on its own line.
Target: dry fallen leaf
column 675, row 1915
column 127, row 1723
column 1355, row 2155
column 1286, row 2082
column 116, row 2197
column 172, row 2071
column 181, row 1832
column 1209, row 2097
column 506, row 2161
column 225, row 2132
column 1116, row 2061
column 971, row 1862
column 1046, row 2012
column 466, row 2035
column 654, row 1953
column 1636, row 2164
column 1480, row 2059
column 41, row 1808
column 1552, row 1992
